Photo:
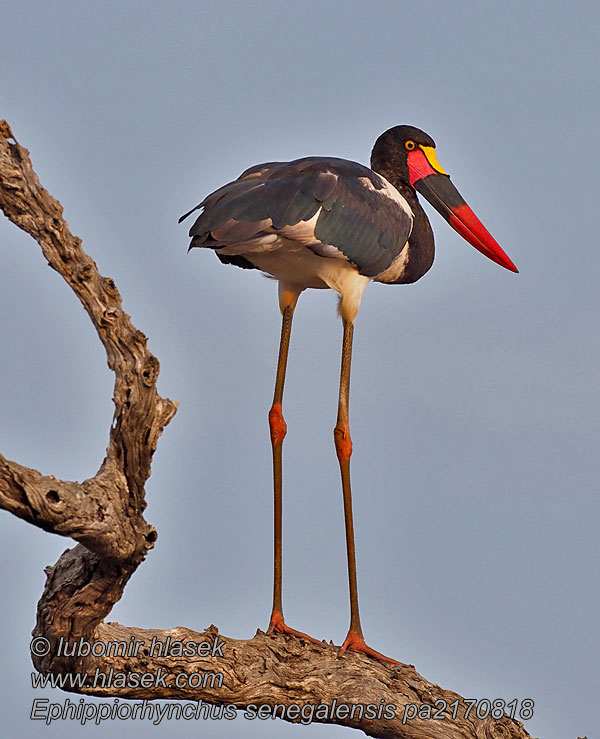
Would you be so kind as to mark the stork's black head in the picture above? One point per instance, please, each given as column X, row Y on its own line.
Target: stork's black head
column 406, row 157
column 391, row 150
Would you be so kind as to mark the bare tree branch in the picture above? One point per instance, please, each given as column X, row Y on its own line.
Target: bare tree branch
column 89, row 512
column 104, row 514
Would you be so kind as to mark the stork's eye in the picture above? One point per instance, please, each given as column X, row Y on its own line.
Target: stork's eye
column 410, row 146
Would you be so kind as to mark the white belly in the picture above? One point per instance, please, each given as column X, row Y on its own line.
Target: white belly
column 296, row 265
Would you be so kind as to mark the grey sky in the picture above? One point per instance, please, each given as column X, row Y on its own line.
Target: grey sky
column 474, row 398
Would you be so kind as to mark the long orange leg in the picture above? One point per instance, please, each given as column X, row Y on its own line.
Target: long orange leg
column 277, row 425
column 343, row 444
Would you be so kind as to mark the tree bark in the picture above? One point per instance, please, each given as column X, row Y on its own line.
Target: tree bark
column 105, row 516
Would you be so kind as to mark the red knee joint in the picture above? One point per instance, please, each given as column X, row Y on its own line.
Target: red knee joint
column 277, row 424
column 343, row 443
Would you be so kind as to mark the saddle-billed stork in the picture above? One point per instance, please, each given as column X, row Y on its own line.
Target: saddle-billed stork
column 323, row 222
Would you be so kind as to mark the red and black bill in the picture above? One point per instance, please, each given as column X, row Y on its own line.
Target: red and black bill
column 428, row 178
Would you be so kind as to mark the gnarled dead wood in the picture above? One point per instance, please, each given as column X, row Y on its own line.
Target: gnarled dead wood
column 104, row 514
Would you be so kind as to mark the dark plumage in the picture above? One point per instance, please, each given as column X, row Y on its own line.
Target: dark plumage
column 354, row 209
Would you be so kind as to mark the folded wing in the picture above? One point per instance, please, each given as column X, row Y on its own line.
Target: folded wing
column 335, row 207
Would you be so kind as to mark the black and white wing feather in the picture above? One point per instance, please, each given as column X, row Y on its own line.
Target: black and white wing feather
column 335, row 207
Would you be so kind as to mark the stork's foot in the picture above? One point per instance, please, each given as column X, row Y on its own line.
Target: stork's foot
column 278, row 626
column 357, row 643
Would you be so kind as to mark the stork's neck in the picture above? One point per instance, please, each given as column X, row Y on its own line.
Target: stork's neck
column 421, row 247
